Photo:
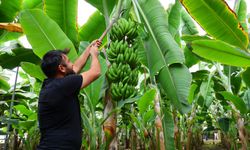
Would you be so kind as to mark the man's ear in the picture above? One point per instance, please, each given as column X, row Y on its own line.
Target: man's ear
column 61, row 68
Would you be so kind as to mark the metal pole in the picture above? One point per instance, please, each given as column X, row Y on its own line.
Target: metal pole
column 11, row 105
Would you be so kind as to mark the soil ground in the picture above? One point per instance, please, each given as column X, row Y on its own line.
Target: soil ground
column 212, row 145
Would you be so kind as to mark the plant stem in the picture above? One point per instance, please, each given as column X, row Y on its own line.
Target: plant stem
column 11, row 106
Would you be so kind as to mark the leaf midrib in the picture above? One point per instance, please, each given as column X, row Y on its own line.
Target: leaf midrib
column 226, row 52
column 157, row 44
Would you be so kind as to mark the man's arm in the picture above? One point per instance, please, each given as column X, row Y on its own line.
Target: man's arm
column 81, row 61
column 95, row 69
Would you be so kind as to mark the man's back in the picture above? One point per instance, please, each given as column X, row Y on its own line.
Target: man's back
column 59, row 113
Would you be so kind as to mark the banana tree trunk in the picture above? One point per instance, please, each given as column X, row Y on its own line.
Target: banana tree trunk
column 189, row 139
column 242, row 133
column 158, row 124
column 133, row 139
column 109, row 126
column 240, row 121
column 176, row 132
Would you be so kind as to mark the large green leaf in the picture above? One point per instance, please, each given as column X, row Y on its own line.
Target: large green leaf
column 29, row 4
column 206, row 90
column 224, row 124
column 175, row 79
column 168, row 128
column 18, row 55
column 93, row 28
column 64, row 13
column 190, row 58
column 246, row 99
column 241, row 11
column 4, row 85
column 154, row 18
column 95, row 90
column 23, row 110
column 33, row 70
column 44, row 34
column 146, row 100
column 99, row 4
column 189, row 27
column 174, row 18
column 238, row 102
column 222, row 52
column 9, row 9
column 154, row 56
column 218, row 20
column 245, row 77
column 7, row 36
column 192, row 93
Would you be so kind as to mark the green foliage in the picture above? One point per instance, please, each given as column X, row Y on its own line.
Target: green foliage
column 241, row 11
column 44, row 34
column 93, row 28
column 33, row 70
column 17, row 55
column 154, row 18
column 146, row 100
column 13, row 6
column 99, row 5
column 222, row 52
column 64, row 13
column 222, row 25
column 29, row 4
column 238, row 102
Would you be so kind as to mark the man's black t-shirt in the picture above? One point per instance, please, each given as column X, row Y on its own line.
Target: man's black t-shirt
column 59, row 113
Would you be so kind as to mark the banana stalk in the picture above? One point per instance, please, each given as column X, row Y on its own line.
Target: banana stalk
column 240, row 122
column 109, row 126
column 158, row 123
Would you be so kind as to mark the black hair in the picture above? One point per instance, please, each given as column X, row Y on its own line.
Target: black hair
column 50, row 62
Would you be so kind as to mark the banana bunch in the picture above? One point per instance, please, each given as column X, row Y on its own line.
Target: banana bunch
column 124, row 30
column 124, row 69
column 122, row 91
column 121, row 52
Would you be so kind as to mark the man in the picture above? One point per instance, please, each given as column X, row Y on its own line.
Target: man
column 58, row 107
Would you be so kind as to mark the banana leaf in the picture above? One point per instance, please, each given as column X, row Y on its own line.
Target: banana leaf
column 33, row 70
column 29, row 4
column 93, row 28
column 245, row 77
column 44, row 34
column 238, row 102
column 190, row 58
column 154, row 18
column 174, row 18
column 4, row 85
column 7, row 36
column 12, row 60
column 206, row 90
column 192, row 93
column 218, row 20
column 241, row 11
column 189, row 27
column 222, row 52
column 146, row 101
column 64, row 13
column 9, row 9
column 168, row 128
column 99, row 4
column 174, row 79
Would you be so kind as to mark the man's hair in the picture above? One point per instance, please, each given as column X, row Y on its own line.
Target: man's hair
column 50, row 62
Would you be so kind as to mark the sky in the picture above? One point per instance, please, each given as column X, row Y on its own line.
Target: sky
column 85, row 9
